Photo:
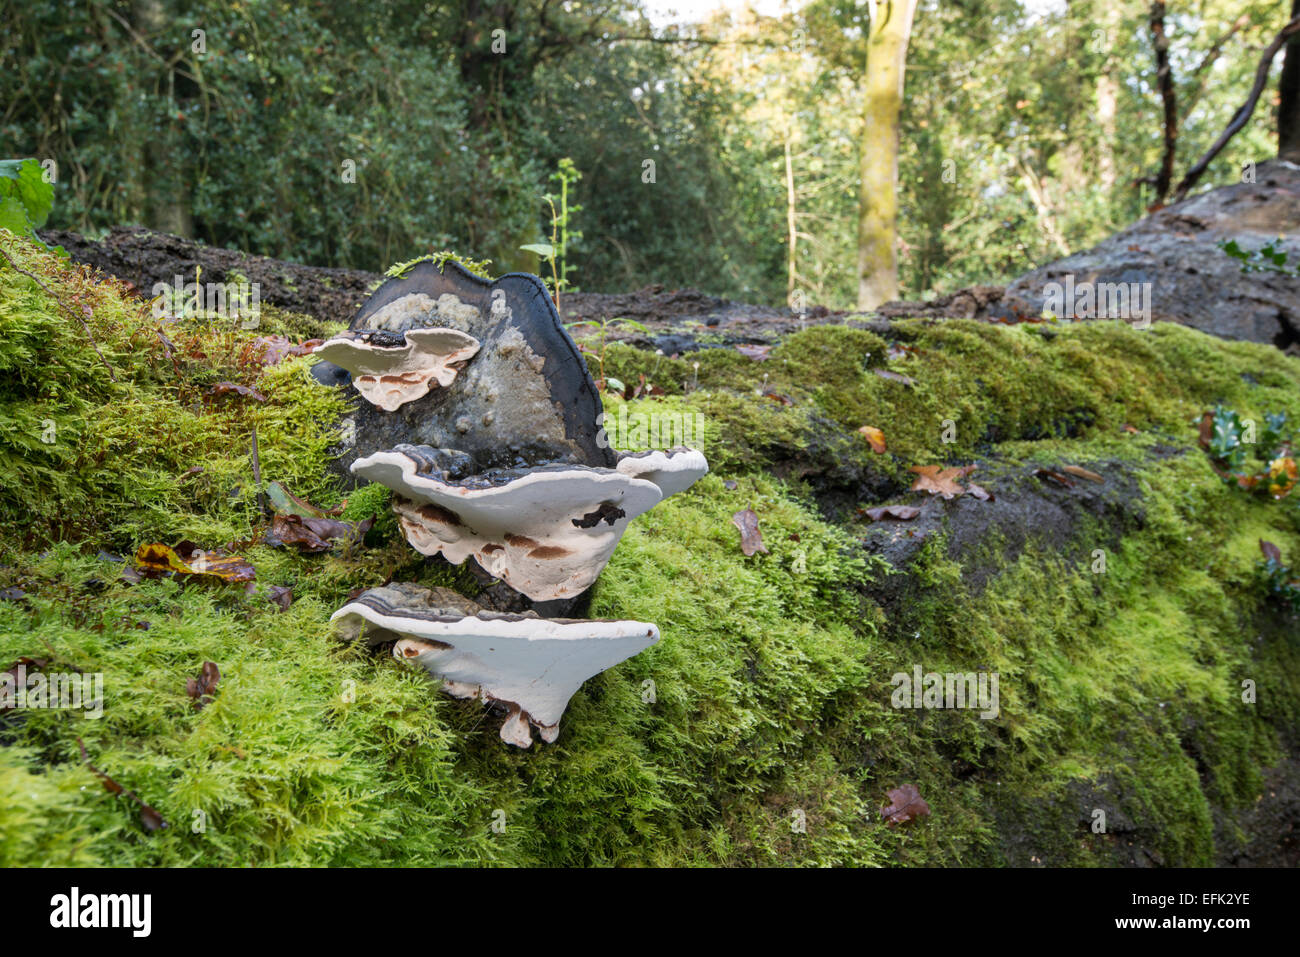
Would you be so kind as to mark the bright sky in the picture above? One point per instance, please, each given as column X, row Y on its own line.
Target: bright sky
column 665, row 12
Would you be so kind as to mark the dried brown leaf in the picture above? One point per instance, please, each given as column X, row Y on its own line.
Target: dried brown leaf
column 234, row 388
column 906, row 804
column 201, row 688
column 751, row 539
column 903, row 513
column 874, row 437
column 938, row 480
column 1082, row 473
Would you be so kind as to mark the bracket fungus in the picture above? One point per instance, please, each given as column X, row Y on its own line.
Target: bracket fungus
column 525, row 398
column 547, row 532
column 531, row 665
column 391, row 369
column 505, row 462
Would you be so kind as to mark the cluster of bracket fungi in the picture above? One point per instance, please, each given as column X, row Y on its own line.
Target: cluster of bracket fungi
column 476, row 408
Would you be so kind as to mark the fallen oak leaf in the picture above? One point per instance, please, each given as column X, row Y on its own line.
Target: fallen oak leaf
column 875, row 438
column 759, row 353
column 1270, row 551
column 201, row 688
column 938, row 480
column 234, row 388
column 904, row 513
column 751, row 539
column 979, row 492
column 1083, row 473
column 906, row 804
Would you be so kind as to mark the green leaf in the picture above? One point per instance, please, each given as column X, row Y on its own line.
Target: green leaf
column 545, row 250
column 24, row 180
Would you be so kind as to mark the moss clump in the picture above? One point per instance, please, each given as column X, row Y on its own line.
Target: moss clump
column 478, row 267
column 112, row 431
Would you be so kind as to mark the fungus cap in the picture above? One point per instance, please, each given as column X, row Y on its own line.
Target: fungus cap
column 547, row 531
column 390, row 370
column 532, row 665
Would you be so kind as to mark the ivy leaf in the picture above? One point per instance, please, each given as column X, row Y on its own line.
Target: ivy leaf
column 23, row 182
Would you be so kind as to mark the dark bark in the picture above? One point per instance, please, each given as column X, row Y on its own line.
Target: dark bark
column 1290, row 31
column 1165, row 83
column 1288, row 114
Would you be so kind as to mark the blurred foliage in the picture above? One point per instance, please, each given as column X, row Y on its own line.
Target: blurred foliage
column 361, row 135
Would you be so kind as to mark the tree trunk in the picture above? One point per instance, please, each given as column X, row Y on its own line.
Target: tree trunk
column 887, row 41
column 1288, row 113
column 166, row 187
column 790, row 224
column 1108, row 100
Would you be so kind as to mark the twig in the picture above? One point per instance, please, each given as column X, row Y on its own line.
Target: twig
column 1243, row 112
column 68, row 309
column 257, row 476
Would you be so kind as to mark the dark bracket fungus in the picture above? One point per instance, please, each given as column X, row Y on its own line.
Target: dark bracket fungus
column 525, row 398
column 531, row 665
column 390, row 369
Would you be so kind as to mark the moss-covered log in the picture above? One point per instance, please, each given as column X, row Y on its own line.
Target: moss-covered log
column 762, row 727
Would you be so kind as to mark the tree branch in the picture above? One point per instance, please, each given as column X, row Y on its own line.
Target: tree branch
column 1243, row 112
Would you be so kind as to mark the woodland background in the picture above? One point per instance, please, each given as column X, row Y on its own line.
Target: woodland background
column 1025, row 131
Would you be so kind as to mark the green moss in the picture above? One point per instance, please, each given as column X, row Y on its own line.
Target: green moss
column 478, row 267
column 760, row 729
column 105, row 451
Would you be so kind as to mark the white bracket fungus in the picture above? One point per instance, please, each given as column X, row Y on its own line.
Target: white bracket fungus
column 547, row 532
column 390, row 370
column 531, row 665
